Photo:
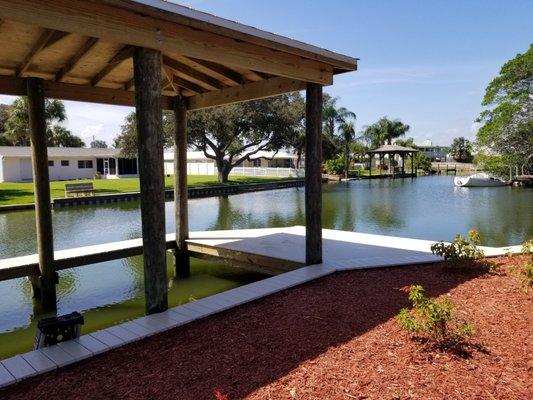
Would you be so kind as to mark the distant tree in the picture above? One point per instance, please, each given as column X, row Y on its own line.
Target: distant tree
column 461, row 149
column 4, row 113
column 126, row 140
column 421, row 161
column 59, row 136
column 347, row 130
column 333, row 117
column 384, row 131
column 407, row 142
column 98, row 144
column 233, row 133
column 17, row 122
column 358, row 150
column 506, row 136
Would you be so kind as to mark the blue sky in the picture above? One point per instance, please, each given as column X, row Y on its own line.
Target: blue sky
column 425, row 62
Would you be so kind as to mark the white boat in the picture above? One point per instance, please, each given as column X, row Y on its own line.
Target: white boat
column 478, row 180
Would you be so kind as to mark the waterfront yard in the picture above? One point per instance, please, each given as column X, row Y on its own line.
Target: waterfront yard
column 21, row 193
column 334, row 338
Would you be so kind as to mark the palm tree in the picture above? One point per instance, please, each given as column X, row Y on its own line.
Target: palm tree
column 347, row 130
column 384, row 131
column 332, row 117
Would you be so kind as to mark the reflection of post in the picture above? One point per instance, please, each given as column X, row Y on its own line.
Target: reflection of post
column 413, row 164
column 44, row 286
column 181, row 257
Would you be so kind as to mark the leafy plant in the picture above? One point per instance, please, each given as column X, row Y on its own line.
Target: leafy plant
column 434, row 319
column 524, row 273
column 335, row 166
column 461, row 249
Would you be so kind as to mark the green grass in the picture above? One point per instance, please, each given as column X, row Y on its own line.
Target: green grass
column 21, row 193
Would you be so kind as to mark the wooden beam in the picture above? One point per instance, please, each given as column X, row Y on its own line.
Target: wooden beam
column 130, row 84
column 36, row 48
column 255, row 90
column 313, row 174
column 227, row 73
column 68, row 91
column 44, row 285
column 193, row 87
column 181, row 211
column 123, row 25
column 56, row 37
column 122, row 55
column 76, row 58
column 147, row 72
column 170, row 79
column 192, row 73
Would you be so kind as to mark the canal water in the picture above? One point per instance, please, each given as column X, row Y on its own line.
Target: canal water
column 111, row 292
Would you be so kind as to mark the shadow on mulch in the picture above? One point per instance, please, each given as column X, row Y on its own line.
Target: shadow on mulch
column 246, row 348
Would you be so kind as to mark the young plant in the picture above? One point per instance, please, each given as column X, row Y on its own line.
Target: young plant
column 464, row 252
column 524, row 273
column 434, row 320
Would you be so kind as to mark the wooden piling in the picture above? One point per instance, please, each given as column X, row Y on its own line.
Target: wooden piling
column 44, row 286
column 181, row 256
column 147, row 75
column 313, row 174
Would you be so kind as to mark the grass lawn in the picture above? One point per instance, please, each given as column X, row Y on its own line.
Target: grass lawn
column 20, row 193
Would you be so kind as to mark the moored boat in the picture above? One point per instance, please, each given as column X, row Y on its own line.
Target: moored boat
column 478, row 180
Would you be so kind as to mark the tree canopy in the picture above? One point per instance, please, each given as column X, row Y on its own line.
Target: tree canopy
column 98, row 144
column 234, row 133
column 461, row 149
column 14, row 125
column 506, row 136
column 384, row 131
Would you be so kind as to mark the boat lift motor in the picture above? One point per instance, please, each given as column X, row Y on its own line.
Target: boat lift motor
column 58, row 329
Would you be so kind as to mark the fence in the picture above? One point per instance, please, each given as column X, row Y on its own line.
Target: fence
column 268, row 171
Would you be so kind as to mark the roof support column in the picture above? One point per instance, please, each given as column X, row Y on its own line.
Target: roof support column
column 181, row 256
column 44, row 286
column 313, row 174
column 147, row 75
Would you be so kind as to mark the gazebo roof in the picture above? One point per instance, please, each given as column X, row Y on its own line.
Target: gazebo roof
column 83, row 50
column 392, row 148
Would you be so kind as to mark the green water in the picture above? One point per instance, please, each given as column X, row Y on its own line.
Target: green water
column 111, row 292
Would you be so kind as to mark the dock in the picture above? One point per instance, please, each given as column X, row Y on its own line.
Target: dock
column 271, row 251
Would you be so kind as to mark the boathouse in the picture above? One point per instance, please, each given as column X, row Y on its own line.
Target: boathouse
column 153, row 55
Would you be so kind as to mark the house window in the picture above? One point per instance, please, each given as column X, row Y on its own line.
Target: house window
column 85, row 164
column 256, row 162
column 64, row 163
column 50, row 163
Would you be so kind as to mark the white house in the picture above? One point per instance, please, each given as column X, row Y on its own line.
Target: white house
column 282, row 163
column 433, row 152
column 65, row 163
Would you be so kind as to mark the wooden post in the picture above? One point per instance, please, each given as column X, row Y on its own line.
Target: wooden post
column 313, row 174
column 181, row 257
column 413, row 164
column 147, row 75
column 44, row 287
column 370, row 171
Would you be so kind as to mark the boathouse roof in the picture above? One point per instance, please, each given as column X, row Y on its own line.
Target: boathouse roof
column 83, row 50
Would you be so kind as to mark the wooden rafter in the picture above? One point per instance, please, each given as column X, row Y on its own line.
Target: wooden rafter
column 76, row 58
column 37, row 47
column 56, row 37
column 254, row 90
column 167, row 72
column 227, row 73
column 192, row 73
column 122, row 55
column 193, row 87
column 129, row 84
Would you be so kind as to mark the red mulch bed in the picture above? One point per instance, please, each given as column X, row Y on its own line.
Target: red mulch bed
column 334, row 338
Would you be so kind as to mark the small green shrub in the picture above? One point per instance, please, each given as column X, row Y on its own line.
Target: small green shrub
column 524, row 272
column 461, row 251
column 434, row 319
column 334, row 166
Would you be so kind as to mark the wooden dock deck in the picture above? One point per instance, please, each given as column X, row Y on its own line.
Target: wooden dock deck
column 269, row 250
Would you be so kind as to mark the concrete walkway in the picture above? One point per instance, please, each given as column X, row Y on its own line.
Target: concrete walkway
column 342, row 251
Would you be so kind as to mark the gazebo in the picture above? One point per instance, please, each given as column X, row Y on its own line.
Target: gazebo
column 392, row 150
column 153, row 55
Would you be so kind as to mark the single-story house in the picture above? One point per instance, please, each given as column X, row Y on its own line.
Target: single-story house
column 199, row 164
column 66, row 163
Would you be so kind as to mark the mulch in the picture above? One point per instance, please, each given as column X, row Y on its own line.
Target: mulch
column 334, row 338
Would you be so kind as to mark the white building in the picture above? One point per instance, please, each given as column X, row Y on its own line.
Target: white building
column 433, row 152
column 66, row 163
column 282, row 163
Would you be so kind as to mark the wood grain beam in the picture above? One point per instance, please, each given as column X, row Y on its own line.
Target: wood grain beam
column 193, row 87
column 122, row 55
column 250, row 91
column 68, row 91
column 36, row 48
column 126, row 26
column 56, row 37
column 227, row 73
column 192, row 73
column 76, row 58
